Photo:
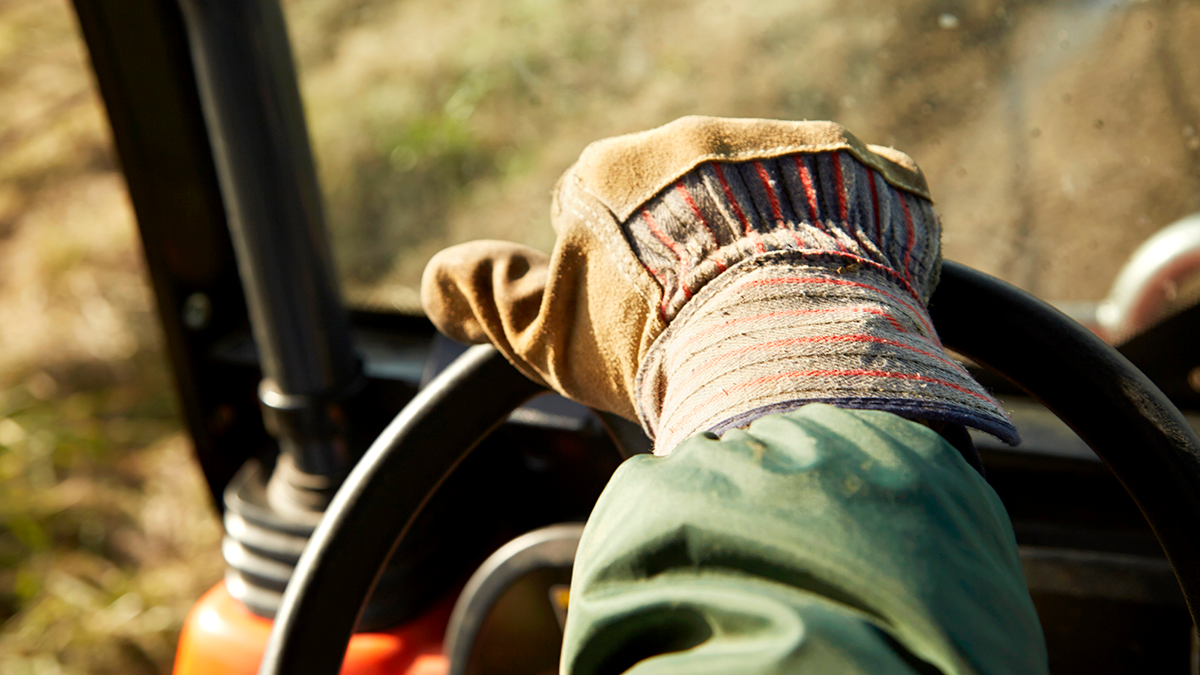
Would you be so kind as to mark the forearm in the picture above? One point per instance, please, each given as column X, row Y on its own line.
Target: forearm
column 712, row 273
column 822, row 540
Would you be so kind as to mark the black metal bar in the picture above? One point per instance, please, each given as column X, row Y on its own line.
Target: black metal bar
column 1115, row 409
column 252, row 106
column 144, row 71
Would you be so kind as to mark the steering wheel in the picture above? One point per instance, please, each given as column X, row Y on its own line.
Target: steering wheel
column 1113, row 407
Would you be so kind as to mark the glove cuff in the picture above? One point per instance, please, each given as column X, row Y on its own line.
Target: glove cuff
column 788, row 328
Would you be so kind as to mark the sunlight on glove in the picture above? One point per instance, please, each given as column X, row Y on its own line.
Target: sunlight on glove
column 713, row 271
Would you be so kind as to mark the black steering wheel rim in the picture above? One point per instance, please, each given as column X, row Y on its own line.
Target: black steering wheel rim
column 1113, row 407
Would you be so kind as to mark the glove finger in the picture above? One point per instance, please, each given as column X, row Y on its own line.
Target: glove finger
column 487, row 291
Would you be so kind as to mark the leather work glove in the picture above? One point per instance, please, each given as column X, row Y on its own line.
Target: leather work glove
column 712, row 271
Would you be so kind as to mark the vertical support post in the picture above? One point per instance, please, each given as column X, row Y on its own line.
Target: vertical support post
column 268, row 181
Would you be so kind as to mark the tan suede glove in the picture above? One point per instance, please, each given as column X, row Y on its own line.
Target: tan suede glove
column 712, row 271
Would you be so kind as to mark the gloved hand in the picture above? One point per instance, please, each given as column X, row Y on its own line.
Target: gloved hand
column 712, row 271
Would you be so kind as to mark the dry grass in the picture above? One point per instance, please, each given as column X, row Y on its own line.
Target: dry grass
column 1054, row 137
column 106, row 537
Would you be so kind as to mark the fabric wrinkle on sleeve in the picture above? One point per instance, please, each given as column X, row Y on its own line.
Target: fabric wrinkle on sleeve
column 819, row 540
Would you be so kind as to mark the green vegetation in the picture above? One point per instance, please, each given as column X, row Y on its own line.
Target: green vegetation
column 435, row 123
column 106, row 533
column 107, row 538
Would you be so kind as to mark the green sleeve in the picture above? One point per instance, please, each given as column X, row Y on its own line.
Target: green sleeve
column 817, row 541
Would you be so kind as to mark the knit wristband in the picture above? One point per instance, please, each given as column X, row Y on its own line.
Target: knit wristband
column 789, row 281
column 778, row 331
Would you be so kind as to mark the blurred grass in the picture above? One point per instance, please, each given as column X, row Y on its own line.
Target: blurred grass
column 106, row 533
column 1056, row 136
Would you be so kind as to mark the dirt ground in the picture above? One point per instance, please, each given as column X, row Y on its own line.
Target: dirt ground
column 1056, row 136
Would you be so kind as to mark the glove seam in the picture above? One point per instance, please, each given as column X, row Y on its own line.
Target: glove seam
column 576, row 204
column 892, row 170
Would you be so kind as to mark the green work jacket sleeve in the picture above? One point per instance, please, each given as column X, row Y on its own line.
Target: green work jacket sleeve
column 817, row 541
